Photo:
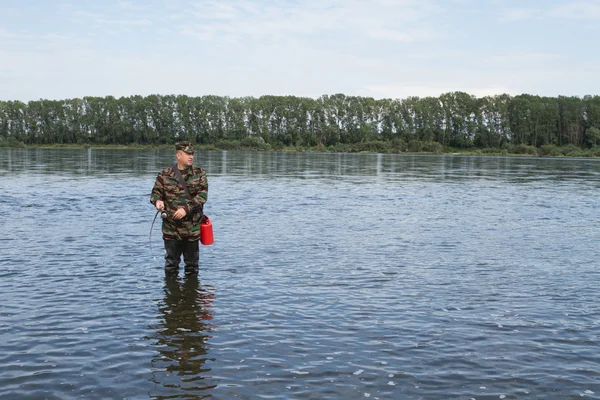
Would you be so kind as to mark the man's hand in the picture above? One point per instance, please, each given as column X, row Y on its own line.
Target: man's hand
column 180, row 213
column 160, row 205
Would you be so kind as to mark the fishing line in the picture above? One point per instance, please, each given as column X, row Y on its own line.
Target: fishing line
column 150, row 236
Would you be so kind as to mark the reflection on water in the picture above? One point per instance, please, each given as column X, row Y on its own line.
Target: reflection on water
column 299, row 165
column 182, row 337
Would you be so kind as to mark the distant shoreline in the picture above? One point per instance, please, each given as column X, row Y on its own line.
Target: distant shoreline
column 453, row 123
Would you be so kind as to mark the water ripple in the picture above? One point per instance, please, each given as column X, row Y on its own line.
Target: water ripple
column 332, row 276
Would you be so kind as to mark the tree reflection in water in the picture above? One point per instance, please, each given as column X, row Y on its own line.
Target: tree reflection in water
column 179, row 369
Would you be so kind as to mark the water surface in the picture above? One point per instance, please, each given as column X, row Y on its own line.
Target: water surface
column 332, row 276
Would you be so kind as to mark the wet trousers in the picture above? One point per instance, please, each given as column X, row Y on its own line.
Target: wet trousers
column 191, row 254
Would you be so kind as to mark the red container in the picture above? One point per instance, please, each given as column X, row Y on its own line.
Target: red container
column 206, row 232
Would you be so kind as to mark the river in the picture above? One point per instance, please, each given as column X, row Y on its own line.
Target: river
column 332, row 276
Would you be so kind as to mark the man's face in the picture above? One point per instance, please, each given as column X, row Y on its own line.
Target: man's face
column 185, row 158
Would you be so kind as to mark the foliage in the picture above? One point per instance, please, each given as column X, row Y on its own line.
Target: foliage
column 521, row 149
column 522, row 124
column 551, row 150
column 10, row 142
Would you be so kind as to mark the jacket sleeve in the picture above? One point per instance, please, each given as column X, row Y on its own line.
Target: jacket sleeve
column 158, row 192
column 200, row 198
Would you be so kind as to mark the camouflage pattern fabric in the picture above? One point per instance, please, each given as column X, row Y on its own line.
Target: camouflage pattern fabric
column 168, row 189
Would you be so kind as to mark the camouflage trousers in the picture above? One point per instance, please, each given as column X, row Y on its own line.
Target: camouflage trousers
column 174, row 249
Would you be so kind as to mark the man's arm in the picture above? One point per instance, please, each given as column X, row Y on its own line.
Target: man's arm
column 157, row 195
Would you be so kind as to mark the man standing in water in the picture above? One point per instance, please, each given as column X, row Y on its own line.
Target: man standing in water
column 179, row 193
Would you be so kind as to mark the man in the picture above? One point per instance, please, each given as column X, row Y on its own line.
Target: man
column 184, row 210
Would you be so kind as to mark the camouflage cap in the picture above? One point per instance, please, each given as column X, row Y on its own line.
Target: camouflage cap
column 184, row 146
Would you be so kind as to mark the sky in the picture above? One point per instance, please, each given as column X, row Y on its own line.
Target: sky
column 308, row 48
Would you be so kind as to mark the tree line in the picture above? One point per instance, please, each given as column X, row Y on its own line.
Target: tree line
column 456, row 120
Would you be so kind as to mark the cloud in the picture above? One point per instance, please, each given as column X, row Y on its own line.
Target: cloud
column 577, row 10
column 214, row 10
column 24, row 40
column 477, row 74
column 130, row 5
column 351, row 19
column 103, row 19
column 405, row 91
column 214, row 33
column 520, row 60
column 390, row 34
column 519, row 14
column 7, row 35
column 439, row 54
column 87, row 14
column 126, row 22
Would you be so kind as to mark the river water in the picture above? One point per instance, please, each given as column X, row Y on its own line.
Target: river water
column 332, row 276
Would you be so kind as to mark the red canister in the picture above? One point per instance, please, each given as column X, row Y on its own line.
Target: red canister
column 206, row 232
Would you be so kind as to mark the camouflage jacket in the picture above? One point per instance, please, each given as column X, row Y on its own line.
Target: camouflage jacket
column 168, row 189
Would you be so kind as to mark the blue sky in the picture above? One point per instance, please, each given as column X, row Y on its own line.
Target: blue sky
column 377, row 48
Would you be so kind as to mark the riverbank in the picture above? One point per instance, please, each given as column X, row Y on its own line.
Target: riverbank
column 373, row 147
